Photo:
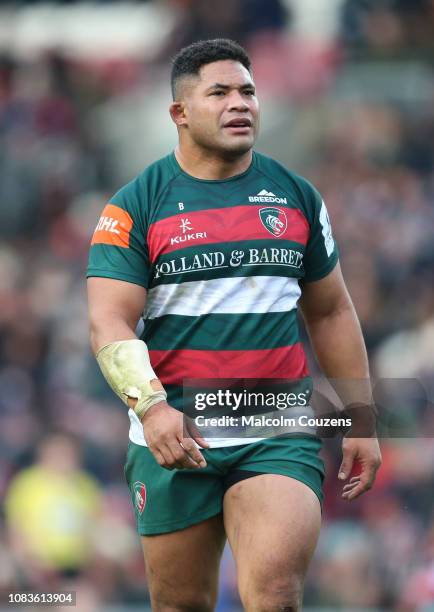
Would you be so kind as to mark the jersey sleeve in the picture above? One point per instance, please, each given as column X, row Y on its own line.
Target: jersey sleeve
column 118, row 249
column 321, row 254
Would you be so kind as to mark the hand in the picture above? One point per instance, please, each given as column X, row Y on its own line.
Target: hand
column 367, row 452
column 163, row 428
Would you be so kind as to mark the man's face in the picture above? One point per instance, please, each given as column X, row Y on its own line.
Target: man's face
column 221, row 108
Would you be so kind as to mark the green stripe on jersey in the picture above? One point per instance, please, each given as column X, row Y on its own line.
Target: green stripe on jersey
column 230, row 332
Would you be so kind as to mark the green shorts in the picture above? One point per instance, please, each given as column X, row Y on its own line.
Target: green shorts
column 168, row 500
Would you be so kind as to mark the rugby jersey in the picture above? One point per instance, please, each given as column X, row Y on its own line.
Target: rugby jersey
column 222, row 262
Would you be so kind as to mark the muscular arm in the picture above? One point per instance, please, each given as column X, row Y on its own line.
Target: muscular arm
column 114, row 310
column 337, row 341
column 334, row 328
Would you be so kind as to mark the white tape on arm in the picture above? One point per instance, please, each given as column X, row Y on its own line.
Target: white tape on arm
column 128, row 371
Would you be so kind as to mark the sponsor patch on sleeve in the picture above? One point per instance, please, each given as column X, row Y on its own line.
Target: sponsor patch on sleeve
column 114, row 227
column 326, row 229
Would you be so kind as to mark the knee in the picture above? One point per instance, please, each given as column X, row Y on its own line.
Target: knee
column 179, row 602
column 273, row 595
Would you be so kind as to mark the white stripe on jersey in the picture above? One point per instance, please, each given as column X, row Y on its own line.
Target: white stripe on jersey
column 137, row 437
column 237, row 295
column 136, row 434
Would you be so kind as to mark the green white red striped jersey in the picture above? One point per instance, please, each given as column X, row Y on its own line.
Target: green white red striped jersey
column 222, row 262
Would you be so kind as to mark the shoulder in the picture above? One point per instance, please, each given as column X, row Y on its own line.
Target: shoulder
column 158, row 175
column 306, row 195
column 149, row 182
column 141, row 194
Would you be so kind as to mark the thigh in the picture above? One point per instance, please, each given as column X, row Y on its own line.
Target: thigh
column 182, row 567
column 272, row 524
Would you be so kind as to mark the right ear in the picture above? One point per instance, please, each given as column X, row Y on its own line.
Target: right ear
column 177, row 112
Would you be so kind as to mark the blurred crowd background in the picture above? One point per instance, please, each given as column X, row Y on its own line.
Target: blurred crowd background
column 347, row 89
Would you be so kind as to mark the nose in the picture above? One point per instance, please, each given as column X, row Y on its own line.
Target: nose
column 238, row 102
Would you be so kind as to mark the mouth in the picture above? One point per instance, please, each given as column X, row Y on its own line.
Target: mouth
column 239, row 125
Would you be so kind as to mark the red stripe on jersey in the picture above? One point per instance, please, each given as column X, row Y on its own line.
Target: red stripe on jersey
column 221, row 225
column 174, row 366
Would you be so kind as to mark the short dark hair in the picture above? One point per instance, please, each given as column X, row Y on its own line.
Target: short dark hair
column 190, row 59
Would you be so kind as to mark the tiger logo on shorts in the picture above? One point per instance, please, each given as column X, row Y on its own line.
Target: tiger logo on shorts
column 139, row 496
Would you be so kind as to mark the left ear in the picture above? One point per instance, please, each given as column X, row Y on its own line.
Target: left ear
column 177, row 112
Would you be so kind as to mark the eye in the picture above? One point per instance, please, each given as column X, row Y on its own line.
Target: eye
column 218, row 93
column 249, row 92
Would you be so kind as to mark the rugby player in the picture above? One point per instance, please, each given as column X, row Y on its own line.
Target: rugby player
column 216, row 244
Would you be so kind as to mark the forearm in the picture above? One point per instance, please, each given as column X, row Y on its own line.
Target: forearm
column 339, row 347
column 125, row 364
column 109, row 329
column 115, row 307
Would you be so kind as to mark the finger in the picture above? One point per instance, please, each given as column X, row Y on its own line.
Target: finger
column 354, row 493
column 347, row 493
column 193, row 432
column 192, row 450
column 350, row 486
column 354, row 480
column 361, row 487
column 347, row 464
column 190, row 463
column 174, row 458
column 163, row 457
column 364, row 483
column 182, row 459
column 201, row 441
column 158, row 457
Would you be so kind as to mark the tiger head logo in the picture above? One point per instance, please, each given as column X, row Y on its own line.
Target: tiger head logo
column 139, row 496
column 274, row 220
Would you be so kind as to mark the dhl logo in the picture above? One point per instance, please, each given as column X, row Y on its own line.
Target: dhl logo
column 107, row 224
column 114, row 227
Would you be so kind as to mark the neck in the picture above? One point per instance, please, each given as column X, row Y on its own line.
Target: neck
column 205, row 165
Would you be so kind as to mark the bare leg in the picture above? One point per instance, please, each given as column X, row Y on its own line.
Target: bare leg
column 272, row 523
column 182, row 567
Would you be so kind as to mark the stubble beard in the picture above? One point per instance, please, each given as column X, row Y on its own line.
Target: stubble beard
column 222, row 147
